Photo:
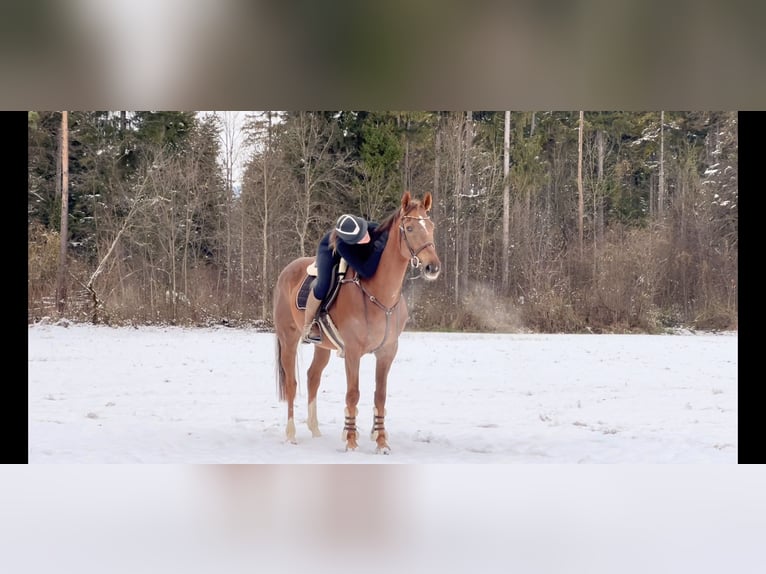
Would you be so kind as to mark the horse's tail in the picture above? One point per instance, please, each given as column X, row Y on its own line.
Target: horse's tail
column 280, row 370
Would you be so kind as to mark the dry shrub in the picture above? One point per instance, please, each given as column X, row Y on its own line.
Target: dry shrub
column 136, row 299
column 43, row 252
column 43, row 258
column 548, row 302
column 626, row 278
column 42, row 271
column 718, row 318
column 551, row 312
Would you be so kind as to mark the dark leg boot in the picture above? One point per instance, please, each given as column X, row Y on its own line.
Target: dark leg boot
column 311, row 333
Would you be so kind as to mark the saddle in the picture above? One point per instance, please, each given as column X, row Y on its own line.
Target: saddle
column 326, row 325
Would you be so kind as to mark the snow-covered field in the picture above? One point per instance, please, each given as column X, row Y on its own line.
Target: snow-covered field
column 99, row 394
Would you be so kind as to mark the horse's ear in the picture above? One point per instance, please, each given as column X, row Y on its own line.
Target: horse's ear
column 427, row 201
column 406, row 198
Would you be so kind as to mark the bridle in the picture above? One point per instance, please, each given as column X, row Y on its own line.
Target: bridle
column 414, row 259
column 414, row 262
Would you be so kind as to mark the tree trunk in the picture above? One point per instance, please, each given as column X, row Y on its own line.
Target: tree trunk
column 661, row 190
column 61, row 291
column 437, row 168
column 580, row 202
column 506, row 200
column 230, row 155
column 265, row 226
column 406, row 179
column 457, row 236
column 436, row 210
column 468, row 191
column 599, row 212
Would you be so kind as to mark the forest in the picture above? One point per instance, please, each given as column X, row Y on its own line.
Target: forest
column 546, row 221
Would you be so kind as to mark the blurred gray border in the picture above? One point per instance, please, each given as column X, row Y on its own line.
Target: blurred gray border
column 487, row 54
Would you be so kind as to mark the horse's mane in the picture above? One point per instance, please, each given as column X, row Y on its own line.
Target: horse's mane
column 388, row 222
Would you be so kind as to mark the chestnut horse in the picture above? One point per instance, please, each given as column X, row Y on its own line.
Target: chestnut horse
column 366, row 316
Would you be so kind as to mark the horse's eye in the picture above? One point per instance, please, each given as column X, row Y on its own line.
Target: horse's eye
column 409, row 229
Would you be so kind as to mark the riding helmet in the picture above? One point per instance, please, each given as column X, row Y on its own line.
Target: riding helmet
column 351, row 228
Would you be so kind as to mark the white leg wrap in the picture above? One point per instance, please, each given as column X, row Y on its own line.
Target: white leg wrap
column 377, row 426
column 349, row 424
column 291, row 430
column 313, row 421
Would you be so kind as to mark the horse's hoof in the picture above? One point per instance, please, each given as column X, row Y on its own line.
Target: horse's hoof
column 383, row 450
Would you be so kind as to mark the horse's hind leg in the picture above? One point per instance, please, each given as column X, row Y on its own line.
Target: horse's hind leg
column 321, row 358
column 287, row 335
column 288, row 358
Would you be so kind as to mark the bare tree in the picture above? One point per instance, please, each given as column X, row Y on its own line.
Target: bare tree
column 661, row 190
column 437, row 169
column 269, row 195
column 97, row 302
column 467, row 190
column 598, row 199
column 309, row 138
column 61, row 291
column 231, row 147
column 266, row 177
column 506, row 200
column 580, row 202
column 255, row 210
column 599, row 149
column 180, row 227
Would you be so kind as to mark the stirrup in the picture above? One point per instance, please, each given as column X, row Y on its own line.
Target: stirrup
column 313, row 334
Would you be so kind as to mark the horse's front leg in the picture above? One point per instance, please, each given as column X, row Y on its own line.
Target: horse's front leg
column 384, row 359
column 350, row 432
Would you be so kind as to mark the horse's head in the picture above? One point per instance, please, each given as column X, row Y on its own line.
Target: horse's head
column 416, row 231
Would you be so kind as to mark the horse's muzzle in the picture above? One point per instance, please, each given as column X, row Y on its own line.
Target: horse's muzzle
column 431, row 270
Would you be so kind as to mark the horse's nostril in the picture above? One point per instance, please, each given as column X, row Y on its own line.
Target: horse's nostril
column 432, row 271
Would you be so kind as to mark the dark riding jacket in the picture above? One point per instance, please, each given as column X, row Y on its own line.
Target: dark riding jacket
column 362, row 257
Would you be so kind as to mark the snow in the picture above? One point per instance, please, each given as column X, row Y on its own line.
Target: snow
column 460, row 406
column 99, row 394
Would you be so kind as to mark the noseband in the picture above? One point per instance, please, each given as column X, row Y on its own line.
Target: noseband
column 414, row 259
